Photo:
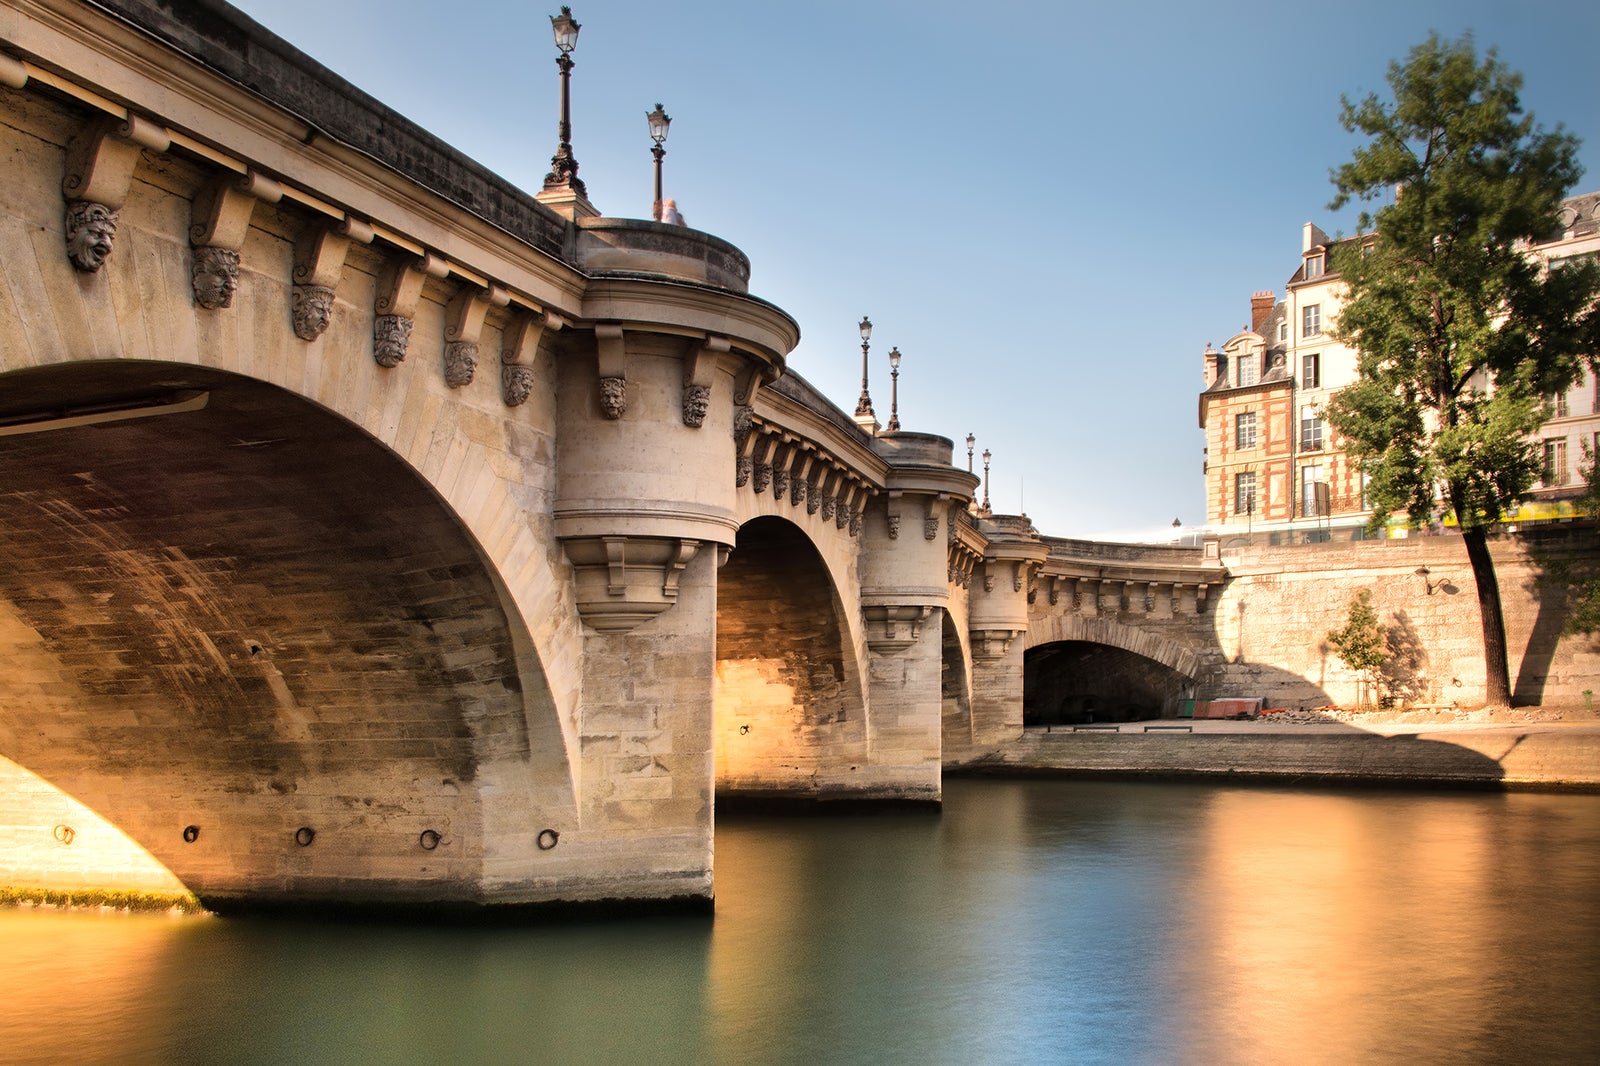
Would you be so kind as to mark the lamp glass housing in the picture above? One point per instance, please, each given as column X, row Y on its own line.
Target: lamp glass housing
column 659, row 122
column 866, row 328
column 565, row 30
column 894, row 358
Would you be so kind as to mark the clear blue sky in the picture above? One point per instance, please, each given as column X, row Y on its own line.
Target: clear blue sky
column 1050, row 212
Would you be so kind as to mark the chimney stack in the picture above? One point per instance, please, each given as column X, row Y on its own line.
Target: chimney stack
column 1261, row 305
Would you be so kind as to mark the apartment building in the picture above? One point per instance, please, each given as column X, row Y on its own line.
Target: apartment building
column 1275, row 470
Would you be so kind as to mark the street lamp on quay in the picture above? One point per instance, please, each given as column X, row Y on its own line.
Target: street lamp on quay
column 971, row 440
column 563, row 168
column 864, row 405
column 986, row 458
column 894, row 391
column 659, row 121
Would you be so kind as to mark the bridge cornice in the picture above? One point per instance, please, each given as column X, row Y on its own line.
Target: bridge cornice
column 650, row 303
column 86, row 55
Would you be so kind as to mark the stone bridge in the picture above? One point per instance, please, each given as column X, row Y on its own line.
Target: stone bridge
column 378, row 534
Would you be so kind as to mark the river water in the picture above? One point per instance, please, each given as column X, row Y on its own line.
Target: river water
column 1042, row 921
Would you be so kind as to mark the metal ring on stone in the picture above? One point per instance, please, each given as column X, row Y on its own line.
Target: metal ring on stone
column 743, row 730
column 547, row 839
column 304, row 835
column 191, row 833
column 429, row 840
column 64, row 833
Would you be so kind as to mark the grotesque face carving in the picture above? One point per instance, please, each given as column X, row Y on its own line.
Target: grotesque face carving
column 90, row 229
column 696, row 402
column 391, row 336
column 613, row 397
column 215, row 276
column 312, row 310
column 516, row 383
column 460, row 363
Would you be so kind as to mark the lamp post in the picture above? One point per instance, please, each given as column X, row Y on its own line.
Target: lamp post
column 971, row 440
column 986, row 458
column 659, row 121
column 563, row 168
column 864, row 405
column 894, row 390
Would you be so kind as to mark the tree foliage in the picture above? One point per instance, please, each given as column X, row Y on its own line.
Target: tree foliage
column 1460, row 336
column 1362, row 642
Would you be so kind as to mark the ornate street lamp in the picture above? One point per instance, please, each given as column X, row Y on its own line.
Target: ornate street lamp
column 659, row 121
column 971, row 440
column 864, row 405
column 563, row 168
column 986, row 458
column 894, row 390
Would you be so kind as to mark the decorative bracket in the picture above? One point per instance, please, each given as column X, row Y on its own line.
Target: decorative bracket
column 318, row 262
column 990, row 644
column 611, row 352
column 895, row 628
column 219, row 220
column 698, row 366
column 521, row 341
column 623, row 581
column 100, row 162
column 394, row 308
column 463, row 324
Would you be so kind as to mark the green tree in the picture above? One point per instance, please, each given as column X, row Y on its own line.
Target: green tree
column 1459, row 335
column 1584, row 617
column 1362, row 643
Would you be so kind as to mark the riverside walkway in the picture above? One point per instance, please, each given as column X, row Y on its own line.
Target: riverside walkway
column 1536, row 748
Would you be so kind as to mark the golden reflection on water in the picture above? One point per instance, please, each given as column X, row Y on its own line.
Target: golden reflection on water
column 1073, row 922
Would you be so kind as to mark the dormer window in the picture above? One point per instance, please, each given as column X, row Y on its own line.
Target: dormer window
column 1249, row 369
column 1315, row 266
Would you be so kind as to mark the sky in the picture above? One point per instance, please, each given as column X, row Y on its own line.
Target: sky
column 1049, row 207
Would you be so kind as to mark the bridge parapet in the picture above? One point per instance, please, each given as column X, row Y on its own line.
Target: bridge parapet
column 1088, row 577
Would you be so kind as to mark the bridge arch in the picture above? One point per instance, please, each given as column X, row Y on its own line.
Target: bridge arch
column 241, row 613
column 789, row 688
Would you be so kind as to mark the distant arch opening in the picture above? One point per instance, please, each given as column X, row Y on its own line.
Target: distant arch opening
column 1073, row 682
column 955, row 690
column 788, row 693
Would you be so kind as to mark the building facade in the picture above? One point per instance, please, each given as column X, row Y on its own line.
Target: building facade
column 1276, row 470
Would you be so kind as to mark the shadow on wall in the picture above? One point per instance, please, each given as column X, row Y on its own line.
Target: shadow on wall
column 1556, row 580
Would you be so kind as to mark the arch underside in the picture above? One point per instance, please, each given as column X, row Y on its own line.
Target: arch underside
column 251, row 618
column 789, row 710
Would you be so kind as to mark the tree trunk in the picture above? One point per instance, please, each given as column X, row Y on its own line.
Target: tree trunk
column 1496, row 667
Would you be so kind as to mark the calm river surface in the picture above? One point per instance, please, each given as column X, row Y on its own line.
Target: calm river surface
column 1045, row 921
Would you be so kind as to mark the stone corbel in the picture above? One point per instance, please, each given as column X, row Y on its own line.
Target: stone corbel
column 623, row 581
column 219, row 220
column 761, row 461
column 100, row 162
column 894, row 628
column 781, row 465
column 799, row 483
column 937, row 506
column 520, row 348
column 463, row 325
column 892, row 512
column 991, row 644
column 1200, row 598
column 613, row 359
column 832, row 480
column 698, row 366
column 1149, row 597
column 1019, row 575
column 318, row 261
column 394, row 309
column 845, row 505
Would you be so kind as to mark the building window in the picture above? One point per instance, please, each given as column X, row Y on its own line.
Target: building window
column 1314, row 266
column 1311, row 320
column 1310, row 429
column 1313, row 492
column 1311, row 371
column 1244, row 430
column 1555, row 463
column 1244, row 493
column 1283, row 335
column 1558, row 405
column 1249, row 369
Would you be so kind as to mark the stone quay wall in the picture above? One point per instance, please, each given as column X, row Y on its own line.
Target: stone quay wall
column 1272, row 617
